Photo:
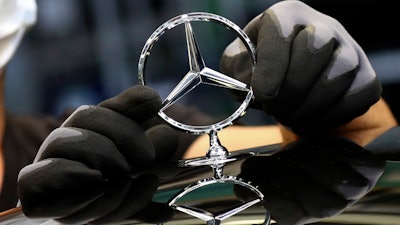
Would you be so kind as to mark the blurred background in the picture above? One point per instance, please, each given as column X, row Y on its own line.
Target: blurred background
column 84, row 51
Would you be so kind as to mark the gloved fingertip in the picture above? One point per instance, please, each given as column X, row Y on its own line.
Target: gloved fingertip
column 139, row 102
column 165, row 141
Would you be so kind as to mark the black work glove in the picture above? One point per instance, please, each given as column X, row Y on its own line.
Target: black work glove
column 312, row 179
column 311, row 75
column 91, row 169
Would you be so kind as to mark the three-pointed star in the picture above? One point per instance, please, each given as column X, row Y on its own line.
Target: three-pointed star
column 216, row 218
column 199, row 73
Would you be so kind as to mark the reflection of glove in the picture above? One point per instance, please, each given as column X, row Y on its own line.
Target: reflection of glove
column 85, row 170
column 313, row 179
column 310, row 73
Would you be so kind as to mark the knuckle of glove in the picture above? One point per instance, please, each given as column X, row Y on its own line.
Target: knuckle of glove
column 85, row 146
column 40, row 192
column 165, row 141
column 344, row 89
column 126, row 134
column 139, row 103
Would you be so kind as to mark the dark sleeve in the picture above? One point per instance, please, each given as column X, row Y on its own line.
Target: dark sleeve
column 22, row 139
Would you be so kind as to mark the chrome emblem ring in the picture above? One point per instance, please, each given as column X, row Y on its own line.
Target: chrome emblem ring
column 199, row 73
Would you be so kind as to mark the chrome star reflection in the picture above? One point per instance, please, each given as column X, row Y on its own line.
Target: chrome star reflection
column 217, row 155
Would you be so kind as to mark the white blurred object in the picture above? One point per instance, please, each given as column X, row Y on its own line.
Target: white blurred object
column 16, row 16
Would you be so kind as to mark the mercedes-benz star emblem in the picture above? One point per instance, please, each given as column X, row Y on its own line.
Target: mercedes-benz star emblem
column 217, row 155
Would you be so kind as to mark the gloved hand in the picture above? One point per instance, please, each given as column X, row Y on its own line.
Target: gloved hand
column 311, row 75
column 91, row 169
column 312, row 179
